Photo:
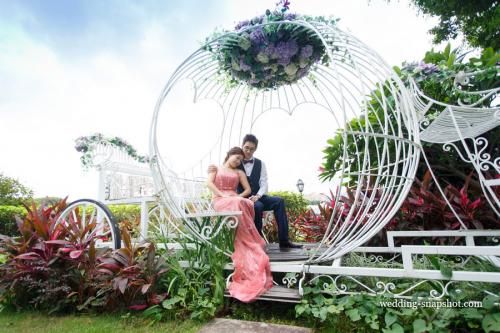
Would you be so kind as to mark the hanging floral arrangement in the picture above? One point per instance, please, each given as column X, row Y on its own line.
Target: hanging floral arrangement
column 87, row 144
column 270, row 50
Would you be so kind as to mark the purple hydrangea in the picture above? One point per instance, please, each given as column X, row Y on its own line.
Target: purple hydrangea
column 81, row 146
column 257, row 37
column 269, row 50
column 302, row 72
column 242, row 24
column 428, row 68
column 243, row 66
column 306, row 51
column 283, row 61
column 286, row 50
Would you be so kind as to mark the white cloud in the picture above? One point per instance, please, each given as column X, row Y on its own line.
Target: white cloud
column 48, row 100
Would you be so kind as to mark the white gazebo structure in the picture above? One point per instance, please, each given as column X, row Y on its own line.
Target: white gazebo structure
column 387, row 155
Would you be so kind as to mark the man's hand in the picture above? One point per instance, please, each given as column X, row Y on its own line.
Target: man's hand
column 254, row 198
column 212, row 168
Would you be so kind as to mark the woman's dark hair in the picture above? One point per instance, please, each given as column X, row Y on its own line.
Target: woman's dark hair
column 234, row 151
column 250, row 138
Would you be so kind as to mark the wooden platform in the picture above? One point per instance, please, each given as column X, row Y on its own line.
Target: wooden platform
column 278, row 294
column 276, row 254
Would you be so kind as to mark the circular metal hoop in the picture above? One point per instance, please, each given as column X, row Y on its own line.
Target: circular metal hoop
column 385, row 139
column 79, row 214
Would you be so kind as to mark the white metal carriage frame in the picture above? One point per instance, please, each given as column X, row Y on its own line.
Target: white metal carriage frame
column 342, row 88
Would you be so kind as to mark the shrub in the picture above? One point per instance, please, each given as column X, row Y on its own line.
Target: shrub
column 12, row 192
column 8, row 219
column 128, row 217
column 295, row 203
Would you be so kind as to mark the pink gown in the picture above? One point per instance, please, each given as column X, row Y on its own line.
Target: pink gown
column 252, row 271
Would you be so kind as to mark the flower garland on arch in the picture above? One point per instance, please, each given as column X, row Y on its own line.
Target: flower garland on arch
column 87, row 144
column 266, row 56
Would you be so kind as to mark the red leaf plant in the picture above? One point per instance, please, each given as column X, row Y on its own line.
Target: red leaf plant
column 57, row 267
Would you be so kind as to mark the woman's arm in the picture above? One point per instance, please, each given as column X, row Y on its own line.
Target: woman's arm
column 211, row 185
column 244, row 183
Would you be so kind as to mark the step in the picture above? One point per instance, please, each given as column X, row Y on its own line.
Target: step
column 223, row 325
column 277, row 294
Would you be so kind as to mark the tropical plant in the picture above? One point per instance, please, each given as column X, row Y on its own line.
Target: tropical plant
column 34, row 274
column 133, row 274
column 426, row 209
column 311, row 227
column 54, row 265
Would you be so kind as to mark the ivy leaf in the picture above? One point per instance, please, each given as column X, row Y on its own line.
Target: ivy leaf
column 319, row 299
column 489, row 301
column 353, row 314
column 419, row 326
column 491, row 322
column 471, row 313
column 333, row 309
column 390, row 318
column 323, row 313
column 396, row 328
column 299, row 309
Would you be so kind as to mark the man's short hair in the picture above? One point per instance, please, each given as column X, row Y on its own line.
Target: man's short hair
column 250, row 138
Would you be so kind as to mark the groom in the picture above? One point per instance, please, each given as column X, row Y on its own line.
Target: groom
column 256, row 173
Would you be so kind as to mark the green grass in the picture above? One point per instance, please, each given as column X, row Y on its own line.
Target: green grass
column 29, row 322
column 265, row 312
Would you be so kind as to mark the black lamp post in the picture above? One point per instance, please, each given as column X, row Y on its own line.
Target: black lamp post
column 300, row 186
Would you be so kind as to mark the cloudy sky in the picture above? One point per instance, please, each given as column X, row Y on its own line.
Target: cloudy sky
column 72, row 68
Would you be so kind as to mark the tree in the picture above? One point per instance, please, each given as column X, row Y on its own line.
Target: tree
column 478, row 20
column 12, row 192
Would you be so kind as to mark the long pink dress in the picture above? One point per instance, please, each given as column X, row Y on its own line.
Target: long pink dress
column 252, row 271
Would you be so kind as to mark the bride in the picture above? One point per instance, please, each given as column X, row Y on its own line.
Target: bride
column 252, row 272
